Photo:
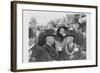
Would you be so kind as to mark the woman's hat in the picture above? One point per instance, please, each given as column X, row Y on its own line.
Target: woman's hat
column 69, row 33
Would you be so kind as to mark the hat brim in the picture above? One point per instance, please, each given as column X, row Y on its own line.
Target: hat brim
column 69, row 36
column 49, row 35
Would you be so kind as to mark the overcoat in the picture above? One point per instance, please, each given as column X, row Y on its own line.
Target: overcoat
column 78, row 53
column 43, row 53
column 39, row 54
column 51, row 52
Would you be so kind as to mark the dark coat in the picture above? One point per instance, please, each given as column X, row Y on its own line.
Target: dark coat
column 51, row 51
column 39, row 54
column 78, row 55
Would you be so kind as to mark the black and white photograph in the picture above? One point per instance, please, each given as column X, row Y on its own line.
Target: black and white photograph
column 53, row 36
column 56, row 36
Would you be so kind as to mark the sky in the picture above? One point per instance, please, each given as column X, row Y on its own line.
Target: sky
column 42, row 17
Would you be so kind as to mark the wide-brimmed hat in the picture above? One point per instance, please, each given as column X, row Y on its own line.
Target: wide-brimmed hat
column 49, row 32
column 69, row 33
column 44, row 34
column 69, row 36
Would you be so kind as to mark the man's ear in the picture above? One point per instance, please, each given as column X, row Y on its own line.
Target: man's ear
column 46, row 38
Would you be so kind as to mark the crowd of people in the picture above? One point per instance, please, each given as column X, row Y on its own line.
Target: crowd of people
column 57, row 43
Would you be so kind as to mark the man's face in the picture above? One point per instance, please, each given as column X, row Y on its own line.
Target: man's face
column 50, row 39
column 31, row 41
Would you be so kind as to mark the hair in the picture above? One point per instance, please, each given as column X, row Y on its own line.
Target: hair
column 58, row 34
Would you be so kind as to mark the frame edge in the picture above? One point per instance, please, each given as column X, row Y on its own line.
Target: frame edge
column 13, row 36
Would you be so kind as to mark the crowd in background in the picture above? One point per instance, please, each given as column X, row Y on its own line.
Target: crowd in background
column 71, row 28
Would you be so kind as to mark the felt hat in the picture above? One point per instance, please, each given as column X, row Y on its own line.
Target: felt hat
column 49, row 32
column 43, row 35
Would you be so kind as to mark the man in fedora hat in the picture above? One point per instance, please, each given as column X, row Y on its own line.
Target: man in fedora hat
column 49, row 46
column 38, row 53
column 44, row 50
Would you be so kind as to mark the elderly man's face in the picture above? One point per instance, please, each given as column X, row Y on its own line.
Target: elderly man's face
column 50, row 39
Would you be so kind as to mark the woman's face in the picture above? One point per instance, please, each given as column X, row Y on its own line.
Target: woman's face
column 62, row 31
